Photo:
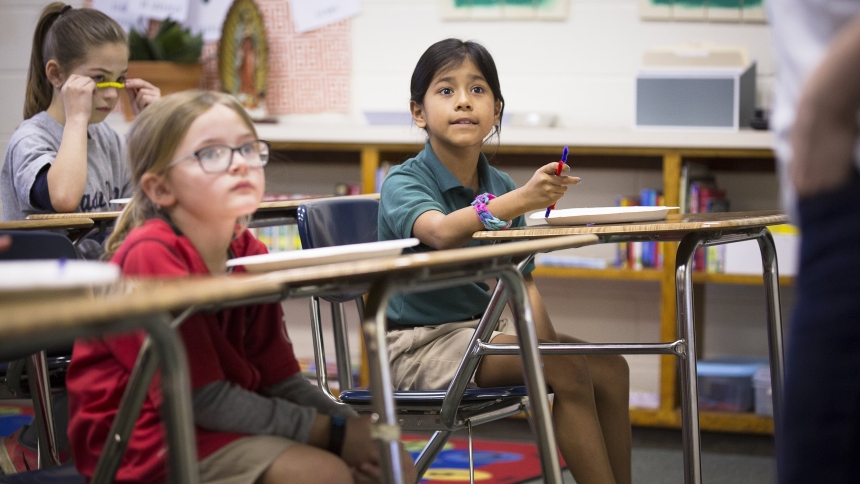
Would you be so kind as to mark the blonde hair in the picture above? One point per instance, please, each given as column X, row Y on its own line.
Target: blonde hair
column 65, row 35
column 152, row 142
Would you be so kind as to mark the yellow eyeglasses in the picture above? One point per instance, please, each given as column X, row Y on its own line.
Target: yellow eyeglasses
column 103, row 85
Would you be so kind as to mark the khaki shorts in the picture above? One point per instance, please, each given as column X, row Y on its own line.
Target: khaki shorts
column 427, row 357
column 243, row 461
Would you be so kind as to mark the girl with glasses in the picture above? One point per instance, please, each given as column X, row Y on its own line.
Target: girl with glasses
column 197, row 172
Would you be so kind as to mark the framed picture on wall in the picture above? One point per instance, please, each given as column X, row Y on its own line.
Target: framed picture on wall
column 243, row 54
column 504, row 9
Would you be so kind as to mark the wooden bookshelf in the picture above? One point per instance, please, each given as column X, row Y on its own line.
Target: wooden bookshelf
column 749, row 423
column 608, row 273
column 615, row 148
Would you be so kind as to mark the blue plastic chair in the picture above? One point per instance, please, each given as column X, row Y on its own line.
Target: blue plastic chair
column 333, row 222
column 33, row 245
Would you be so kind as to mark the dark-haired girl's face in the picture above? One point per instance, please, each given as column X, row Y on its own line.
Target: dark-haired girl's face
column 459, row 108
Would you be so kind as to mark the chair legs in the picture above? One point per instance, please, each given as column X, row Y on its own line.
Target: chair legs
column 431, row 451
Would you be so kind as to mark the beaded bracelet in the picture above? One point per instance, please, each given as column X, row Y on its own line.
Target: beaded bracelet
column 490, row 222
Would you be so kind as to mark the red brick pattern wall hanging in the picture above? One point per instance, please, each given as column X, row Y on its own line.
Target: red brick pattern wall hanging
column 308, row 73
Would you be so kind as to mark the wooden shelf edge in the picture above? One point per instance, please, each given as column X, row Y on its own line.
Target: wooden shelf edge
column 608, row 273
column 651, row 275
column 748, row 423
column 739, row 279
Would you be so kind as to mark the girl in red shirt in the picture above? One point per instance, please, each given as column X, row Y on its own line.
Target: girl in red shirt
column 197, row 168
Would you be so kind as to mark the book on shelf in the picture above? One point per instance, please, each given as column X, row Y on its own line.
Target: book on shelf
column 699, row 193
column 640, row 255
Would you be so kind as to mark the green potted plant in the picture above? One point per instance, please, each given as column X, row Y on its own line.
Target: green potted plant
column 170, row 60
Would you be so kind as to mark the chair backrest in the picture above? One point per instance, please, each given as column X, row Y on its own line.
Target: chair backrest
column 332, row 222
column 38, row 245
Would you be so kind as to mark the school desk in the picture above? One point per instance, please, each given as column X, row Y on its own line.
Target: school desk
column 279, row 212
column 78, row 226
column 41, row 320
column 424, row 271
column 30, row 325
column 693, row 231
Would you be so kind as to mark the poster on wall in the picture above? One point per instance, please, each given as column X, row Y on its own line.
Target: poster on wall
column 200, row 16
column 312, row 14
column 747, row 11
column 504, row 9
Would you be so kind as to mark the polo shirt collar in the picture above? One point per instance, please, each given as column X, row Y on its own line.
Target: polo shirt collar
column 445, row 179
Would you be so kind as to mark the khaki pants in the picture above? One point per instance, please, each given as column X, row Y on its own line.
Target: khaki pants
column 427, row 357
column 243, row 461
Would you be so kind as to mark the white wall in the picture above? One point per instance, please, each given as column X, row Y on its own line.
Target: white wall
column 581, row 68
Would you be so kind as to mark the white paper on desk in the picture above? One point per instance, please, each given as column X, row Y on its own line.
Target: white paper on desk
column 313, row 14
column 207, row 18
column 120, row 10
column 176, row 10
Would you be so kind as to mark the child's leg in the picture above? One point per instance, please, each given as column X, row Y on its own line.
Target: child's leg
column 591, row 403
column 305, row 463
column 610, row 376
column 576, row 418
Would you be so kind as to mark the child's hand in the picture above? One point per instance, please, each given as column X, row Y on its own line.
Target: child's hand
column 358, row 447
column 371, row 473
column 141, row 94
column 545, row 188
column 77, row 95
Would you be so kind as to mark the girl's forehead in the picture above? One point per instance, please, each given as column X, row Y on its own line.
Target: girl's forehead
column 218, row 124
column 110, row 57
column 466, row 67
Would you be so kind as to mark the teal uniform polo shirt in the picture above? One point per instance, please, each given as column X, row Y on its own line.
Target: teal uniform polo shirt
column 418, row 185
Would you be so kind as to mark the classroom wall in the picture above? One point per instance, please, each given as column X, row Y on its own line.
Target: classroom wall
column 581, row 68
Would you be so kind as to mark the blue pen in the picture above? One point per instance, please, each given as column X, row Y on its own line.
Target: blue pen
column 557, row 173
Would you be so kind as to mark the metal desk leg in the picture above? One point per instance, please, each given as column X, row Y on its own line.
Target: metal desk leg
column 176, row 410
column 533, row 371
column 385, row 430
column 774, row 321
column 40, row 389
column 691, row 439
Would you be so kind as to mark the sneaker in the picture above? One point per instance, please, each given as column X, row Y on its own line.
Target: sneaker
column 15, row 457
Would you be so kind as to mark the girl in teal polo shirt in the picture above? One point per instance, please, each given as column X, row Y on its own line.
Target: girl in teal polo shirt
column 444, row 195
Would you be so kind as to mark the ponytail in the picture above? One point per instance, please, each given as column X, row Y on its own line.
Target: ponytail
column 65, row 35
column 39, row 89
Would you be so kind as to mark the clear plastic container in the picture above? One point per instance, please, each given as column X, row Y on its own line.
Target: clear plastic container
column 725, row 384
column 763, row 392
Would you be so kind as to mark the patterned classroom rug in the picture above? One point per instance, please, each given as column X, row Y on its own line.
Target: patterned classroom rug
column 13, row 416
column 496, row 461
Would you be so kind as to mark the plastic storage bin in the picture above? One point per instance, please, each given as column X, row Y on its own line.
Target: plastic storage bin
column 725, row 384
column 763, row 392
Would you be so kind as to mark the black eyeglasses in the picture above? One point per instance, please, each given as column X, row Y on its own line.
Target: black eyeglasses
column 219, row 158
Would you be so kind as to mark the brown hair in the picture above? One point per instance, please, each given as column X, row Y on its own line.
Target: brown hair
column 64, row 34
column 152, row 141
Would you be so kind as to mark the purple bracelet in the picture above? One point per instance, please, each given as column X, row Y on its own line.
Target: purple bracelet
column 487, row 219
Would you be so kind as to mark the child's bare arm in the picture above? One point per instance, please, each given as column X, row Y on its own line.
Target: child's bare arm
column 67, row 177
column 441, row 231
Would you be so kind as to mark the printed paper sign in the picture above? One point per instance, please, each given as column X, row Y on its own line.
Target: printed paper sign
column 176, row 10
column 313, row 14
column 207, row 17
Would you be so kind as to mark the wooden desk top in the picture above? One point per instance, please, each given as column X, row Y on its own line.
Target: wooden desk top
column 77, row 222
column 94, row 216
column 288, row 204
column 679, row 224
column 442, row 260
column 129, row 298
